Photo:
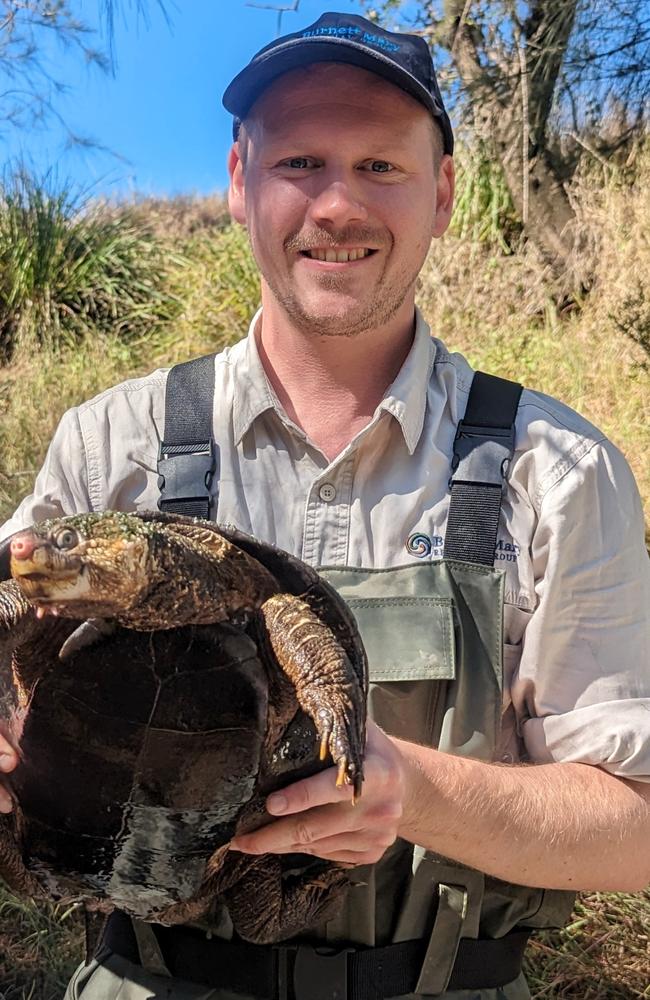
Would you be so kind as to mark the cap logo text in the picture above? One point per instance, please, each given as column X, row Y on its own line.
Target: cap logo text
column 347, row 31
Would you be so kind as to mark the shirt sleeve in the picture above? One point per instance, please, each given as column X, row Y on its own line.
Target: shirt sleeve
column 61, row 486
column 582, row 690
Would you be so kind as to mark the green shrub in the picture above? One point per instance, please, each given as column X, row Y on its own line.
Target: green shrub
column 483, row 208
column 67, row 264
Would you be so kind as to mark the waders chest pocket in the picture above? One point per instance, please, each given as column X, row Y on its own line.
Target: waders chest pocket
column 410, row 645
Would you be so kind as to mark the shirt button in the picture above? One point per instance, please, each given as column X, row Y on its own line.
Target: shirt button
column 327, row 492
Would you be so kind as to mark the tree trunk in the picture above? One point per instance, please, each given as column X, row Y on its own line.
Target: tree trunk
column 511, row 98
column 544, row 208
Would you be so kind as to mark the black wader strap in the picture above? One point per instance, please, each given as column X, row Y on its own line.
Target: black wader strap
column 484, row 446
column 187, row 460
column 301, row 972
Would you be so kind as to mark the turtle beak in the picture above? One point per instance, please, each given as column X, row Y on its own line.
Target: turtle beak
column 39, row 569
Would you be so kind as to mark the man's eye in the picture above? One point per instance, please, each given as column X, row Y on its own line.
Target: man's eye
column 378, row 166
column 298, row 162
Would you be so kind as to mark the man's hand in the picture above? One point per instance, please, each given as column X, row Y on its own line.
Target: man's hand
column 319, row 818
column 8, row 761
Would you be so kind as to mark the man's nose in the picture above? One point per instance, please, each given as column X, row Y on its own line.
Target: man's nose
column 338, row 204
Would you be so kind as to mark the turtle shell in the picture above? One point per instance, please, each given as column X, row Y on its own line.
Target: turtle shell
column 143, row 753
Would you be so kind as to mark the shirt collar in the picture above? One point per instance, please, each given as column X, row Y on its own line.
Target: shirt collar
column 257, row 395
column 405, row 399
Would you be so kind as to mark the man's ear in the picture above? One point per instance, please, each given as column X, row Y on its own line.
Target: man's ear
column 236, row 193
column 444, row 195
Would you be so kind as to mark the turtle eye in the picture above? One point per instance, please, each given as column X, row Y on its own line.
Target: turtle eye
column 65, row 538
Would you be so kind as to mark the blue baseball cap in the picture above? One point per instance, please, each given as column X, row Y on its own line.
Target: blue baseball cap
column 402, row 59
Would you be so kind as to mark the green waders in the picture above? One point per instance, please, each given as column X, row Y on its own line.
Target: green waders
column 433, row 634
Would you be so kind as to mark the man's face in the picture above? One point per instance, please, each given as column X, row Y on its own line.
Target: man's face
column 340, row 196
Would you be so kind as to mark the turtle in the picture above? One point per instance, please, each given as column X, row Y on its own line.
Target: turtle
column 160, row 675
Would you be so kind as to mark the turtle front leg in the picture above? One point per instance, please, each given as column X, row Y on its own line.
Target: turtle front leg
column 326, row 684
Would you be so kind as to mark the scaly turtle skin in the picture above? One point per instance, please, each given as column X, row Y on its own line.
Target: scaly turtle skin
column 160, row 677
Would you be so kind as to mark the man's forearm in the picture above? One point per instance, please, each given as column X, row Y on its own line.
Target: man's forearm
column 564, row 826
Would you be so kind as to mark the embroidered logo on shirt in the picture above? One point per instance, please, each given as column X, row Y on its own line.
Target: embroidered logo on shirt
column 421, row 545
column 506, row 551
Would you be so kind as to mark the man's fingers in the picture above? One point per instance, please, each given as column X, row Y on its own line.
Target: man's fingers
column 348, row 858
column 319, row 790
column 317, row 817
column 362, row 842
column 325, row 828
column 282, row 836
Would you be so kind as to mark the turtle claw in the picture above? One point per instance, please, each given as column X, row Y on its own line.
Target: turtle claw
column 347, row 775
column 337, row 741
column 91, row 631
column 324, row 745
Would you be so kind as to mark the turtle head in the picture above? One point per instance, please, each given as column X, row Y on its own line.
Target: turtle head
column 88, row 565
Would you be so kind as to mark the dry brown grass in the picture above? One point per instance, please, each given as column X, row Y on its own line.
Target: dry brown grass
column 179, row 218
column 603, row 953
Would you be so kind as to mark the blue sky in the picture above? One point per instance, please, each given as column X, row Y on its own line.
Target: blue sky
column 161, row 110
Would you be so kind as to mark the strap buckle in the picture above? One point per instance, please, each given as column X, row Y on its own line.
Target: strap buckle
column 185, row 472
column 482, row 454
column 318, row 973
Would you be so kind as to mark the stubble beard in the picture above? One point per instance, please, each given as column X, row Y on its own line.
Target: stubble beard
column 374, row 313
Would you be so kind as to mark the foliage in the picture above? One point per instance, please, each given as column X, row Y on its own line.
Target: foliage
column 29, row 79
column 39, row 948
column 585, row 60
column 36, row 389
column 67, row 265
column 177, row 219
column 227, row 290
column 483, row 208
column 603, row 953
column 541, row 84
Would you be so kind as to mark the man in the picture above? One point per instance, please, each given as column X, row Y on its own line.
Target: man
column 335, row 422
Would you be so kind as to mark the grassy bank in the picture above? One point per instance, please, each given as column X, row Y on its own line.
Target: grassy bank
column 496, row 303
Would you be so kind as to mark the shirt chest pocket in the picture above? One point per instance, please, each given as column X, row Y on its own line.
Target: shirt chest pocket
column 411, row 647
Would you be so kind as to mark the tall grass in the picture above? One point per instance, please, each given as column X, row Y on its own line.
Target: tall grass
column 483, row 208
column 69, row 267
column 39, row 948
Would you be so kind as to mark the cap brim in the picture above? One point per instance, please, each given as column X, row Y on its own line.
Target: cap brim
column 248, row 85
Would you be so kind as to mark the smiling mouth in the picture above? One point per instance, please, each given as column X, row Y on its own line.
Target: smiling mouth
column 332, row 256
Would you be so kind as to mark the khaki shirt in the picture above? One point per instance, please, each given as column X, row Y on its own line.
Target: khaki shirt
column 577, row 684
